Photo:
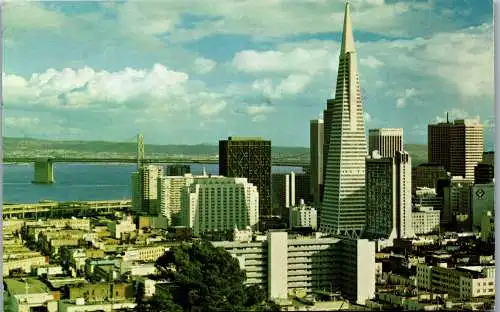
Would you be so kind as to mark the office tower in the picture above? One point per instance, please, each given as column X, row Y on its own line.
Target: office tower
column 283, row 192
column 388, row 197
column 248, row 158
column 467, row 147
column 303, row 187
column 458, row 146
column 484, row 173
column 387, row 141
column 287, row 190
column 427, row 175
column 145, row 189
column 438, row 143
column 343, row 208
column 219, row 204
column 178, row 170
column 316, row 149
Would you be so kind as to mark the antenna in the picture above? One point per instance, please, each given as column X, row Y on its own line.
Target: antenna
column 447, row 120
column 140, row 150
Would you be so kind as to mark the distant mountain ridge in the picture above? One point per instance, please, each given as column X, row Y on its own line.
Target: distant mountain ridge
column 28, row 147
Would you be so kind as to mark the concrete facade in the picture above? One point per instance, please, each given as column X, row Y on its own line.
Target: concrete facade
column 307, row 264
column 220, row 203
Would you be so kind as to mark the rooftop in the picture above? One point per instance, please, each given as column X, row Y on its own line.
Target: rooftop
column 61, row 282
column 18, row 286
column 236, row 138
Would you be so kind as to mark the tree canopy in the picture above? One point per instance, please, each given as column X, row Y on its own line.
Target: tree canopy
column 204, row 278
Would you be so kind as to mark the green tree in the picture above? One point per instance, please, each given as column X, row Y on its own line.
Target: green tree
column 205, row 278
column 159, row 302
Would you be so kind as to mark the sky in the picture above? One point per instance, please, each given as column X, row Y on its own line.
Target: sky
column 196, row 71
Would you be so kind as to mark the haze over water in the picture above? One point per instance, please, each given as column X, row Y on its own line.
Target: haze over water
column 78, row 182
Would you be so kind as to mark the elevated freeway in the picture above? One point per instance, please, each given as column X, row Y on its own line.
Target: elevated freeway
column 61, row 208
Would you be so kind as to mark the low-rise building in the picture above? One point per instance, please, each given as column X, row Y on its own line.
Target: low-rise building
column 28, row 295
column 137, row 268
column 126, row 225
column 148, row 253
column 461, row 282
column 99, row 292
column 80, row 305
column 25, row 265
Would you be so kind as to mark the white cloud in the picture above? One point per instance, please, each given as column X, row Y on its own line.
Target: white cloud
column 270, row 19
column 462, row 59
column 371, row 61
column 259, row 109
column 401, row 101
column 455, row 113
column 158, row 89
column 297, row 60
column 204, row 65
column 24, row 15
column 211, row 109
column 291, row 85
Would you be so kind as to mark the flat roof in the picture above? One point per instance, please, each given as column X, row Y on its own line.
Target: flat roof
column 61, row 282
column 238, row 138
column 18, row 286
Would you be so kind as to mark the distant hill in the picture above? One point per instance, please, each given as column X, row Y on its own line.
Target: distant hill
column 33, row 147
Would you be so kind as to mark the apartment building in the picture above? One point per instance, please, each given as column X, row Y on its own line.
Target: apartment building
column 148, row 253
column 220, row 204
column 462, row 283
column 303, row 216
column 284, row 265
column 145, row 189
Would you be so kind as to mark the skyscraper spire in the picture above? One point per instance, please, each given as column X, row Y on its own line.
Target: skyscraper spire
column 347, row 36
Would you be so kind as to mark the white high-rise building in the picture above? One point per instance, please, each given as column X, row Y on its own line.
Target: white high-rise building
column 145, row 190
column 388, row 197
column 219, row 204
column 343, row 208
column 303, row 216
column 169, row 195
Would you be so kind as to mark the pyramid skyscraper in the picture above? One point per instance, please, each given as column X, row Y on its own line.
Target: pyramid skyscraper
column 345, row 149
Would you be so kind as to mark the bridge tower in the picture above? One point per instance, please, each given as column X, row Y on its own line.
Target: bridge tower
column 140, row 151
column 44, row 171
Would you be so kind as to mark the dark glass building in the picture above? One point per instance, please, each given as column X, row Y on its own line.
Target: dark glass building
column 178, row 170
column 249, row 158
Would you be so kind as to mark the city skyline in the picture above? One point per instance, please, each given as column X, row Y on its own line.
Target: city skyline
column 212, row 73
